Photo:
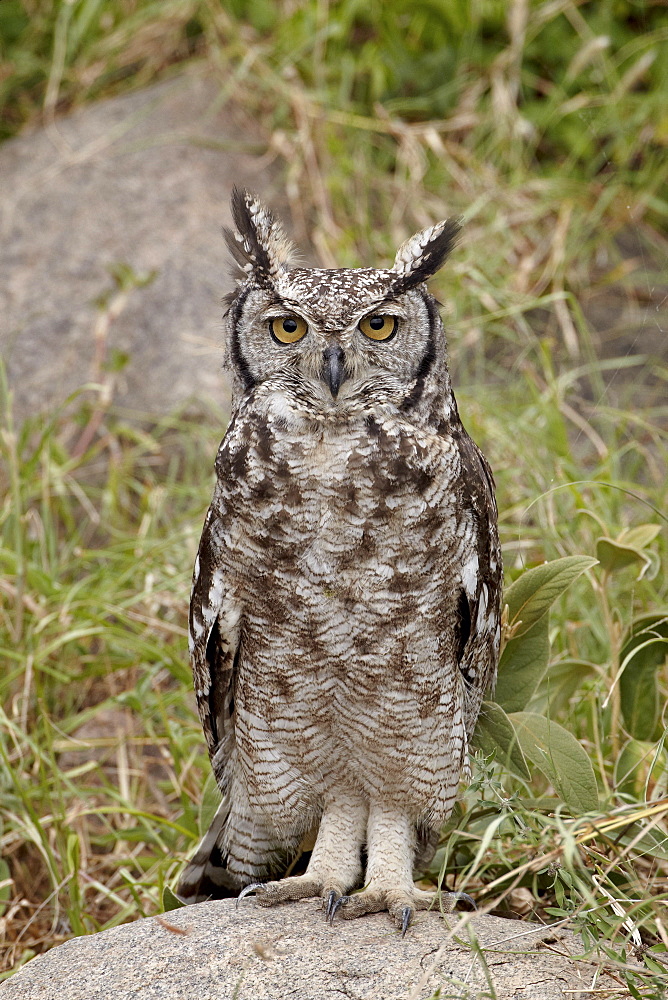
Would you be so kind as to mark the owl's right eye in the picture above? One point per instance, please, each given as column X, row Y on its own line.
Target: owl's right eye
column 287, row 329
column 379, row 327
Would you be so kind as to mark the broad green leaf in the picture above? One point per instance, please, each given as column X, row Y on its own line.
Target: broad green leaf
column 642, row 657
column 208, row 803
column 532, row 595
column 639, row 762
column 560, row 757
column 170, row 901
column 614, row 556
column 559, row 684
column 639, row 692
column 495, row 732
column 640, row 536
column 523, row 662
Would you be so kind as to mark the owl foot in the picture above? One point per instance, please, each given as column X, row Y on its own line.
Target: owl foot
column 334, row 866
column 400, row 903
column 295, row 887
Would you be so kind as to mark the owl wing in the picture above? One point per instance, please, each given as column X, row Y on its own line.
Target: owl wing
column 479, row 599
column 214, row 640
column 214, row 644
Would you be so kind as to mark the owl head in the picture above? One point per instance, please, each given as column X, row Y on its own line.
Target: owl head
column 338, row 338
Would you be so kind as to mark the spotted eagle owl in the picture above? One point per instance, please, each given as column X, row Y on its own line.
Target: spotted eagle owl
column 344, row 619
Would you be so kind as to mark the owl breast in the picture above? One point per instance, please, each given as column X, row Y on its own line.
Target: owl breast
column 345, row 624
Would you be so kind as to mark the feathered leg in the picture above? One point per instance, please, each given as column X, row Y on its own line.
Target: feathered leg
column 335, row 864
column 389, row 874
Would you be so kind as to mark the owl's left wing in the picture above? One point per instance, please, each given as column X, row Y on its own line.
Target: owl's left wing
column 214, row 641
column 479, row 598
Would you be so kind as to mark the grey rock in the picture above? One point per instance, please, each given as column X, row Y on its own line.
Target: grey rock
column 142, row 180
column 213, row 951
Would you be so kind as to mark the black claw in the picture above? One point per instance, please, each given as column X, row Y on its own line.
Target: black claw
column 332, row 898
column 336, row 906
column 465, row 896
column 406, row 917
column 247, row 891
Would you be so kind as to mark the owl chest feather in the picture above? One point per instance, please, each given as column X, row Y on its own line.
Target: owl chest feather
column 338, row 503
column 337, row 536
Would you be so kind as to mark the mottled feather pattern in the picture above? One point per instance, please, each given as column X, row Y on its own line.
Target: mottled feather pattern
column 345, row 611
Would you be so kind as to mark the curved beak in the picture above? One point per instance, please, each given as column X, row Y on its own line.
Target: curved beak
column 333, row 370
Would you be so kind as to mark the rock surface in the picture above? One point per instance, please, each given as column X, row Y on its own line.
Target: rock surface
column 213, row 951
column 142, row 180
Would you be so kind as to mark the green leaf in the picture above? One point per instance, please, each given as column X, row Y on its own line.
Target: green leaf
column 170, row 901
column 654, row 966
column 639, row 537
column 643, row 655
column 126, row 278
column 522, row 665
column 613, row 556
column 639, row 762
column 560, row 757
column 495, row 733
column 559, row 684
column 631, row 988
column 532, row 595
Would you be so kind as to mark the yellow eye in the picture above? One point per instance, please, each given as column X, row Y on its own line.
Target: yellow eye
column 379, row 327
column 287, row 329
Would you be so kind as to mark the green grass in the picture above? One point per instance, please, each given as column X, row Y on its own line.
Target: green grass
column 550, row 136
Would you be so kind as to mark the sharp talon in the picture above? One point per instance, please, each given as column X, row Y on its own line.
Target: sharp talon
column 332, row 898
column 406, row 915
column 465, row 896
column 336, row 906
column 247, row 891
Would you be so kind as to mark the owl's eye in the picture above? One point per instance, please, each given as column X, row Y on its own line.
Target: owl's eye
column 287, row 329
column 379, row 327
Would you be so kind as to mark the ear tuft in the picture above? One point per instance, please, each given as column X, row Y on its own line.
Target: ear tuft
column 259, row 245
column 424, row 253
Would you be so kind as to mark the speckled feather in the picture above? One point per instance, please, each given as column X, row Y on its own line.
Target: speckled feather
column 344, row 619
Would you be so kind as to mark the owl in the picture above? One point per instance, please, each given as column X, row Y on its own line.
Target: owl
column 344, row 617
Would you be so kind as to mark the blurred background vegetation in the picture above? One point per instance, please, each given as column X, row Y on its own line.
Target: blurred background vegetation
column 543, row 122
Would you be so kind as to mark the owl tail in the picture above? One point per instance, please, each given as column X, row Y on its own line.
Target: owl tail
column 234, row 852
column 206, row 876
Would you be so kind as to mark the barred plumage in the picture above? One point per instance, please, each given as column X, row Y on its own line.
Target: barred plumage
column 344, row 617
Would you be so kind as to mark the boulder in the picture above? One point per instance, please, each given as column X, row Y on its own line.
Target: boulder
column 142, row 183
column 215, row 950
